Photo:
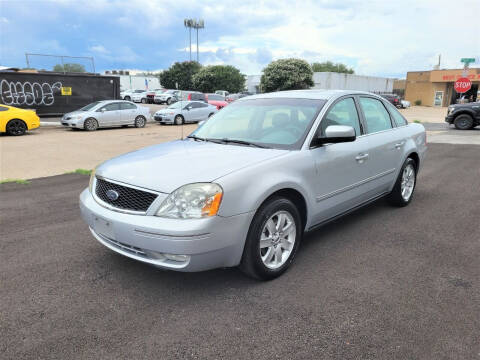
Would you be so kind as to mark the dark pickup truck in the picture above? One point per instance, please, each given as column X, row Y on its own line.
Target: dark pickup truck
column 464, row 116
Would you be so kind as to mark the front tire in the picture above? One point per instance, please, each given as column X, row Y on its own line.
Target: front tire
column 273, row 239
column 169, row 101
column 402, row 192
column 140, row 122
column 179, row 120
column 127, row 98
column 16, row 127
column 90, row 124
column 463, row 122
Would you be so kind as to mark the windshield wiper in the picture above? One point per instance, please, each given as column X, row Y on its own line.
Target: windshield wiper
column 242, row 142
column 197, row 138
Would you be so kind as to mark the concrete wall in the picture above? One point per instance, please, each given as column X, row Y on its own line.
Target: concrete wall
column 338, row 81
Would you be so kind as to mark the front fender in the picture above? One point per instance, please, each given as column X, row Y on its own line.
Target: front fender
column 245, row 190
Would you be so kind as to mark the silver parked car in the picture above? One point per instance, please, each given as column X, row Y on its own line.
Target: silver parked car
column 244, row 187
column 185, row 112
column 107, row 113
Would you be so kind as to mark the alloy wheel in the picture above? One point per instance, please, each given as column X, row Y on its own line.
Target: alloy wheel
column 16, row 127
column 408, row 182
column 277, row 239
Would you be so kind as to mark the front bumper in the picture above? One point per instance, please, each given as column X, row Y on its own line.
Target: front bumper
column 449, row 119
column 72, row 123
column 207, row 243
column 164, row 119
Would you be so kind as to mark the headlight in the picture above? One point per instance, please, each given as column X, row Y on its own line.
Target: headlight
column 192, row 201
column 92, row 177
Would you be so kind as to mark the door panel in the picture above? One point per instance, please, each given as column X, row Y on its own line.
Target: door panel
column 342, row 177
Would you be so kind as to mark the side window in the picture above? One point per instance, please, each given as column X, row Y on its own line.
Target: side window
column 195, row 105
column 3, row 108
column 376, row 116
column 399, row 119
column 343, row 112
column 127, row 106
column 203, row 105
column 111, row 107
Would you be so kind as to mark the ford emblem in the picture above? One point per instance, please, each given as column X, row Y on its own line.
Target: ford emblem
column 112, row 195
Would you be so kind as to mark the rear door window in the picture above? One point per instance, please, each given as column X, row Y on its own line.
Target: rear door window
column 377, row 117
column 397, row 117
column 127, row 106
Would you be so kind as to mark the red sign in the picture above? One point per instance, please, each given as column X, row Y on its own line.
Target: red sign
column 462, row 85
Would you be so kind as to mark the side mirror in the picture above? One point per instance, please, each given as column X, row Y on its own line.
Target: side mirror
column 103, row 110
column 188, row 108
column 201, row 123
column 336, row 134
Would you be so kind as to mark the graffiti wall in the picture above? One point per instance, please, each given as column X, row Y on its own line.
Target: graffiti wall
column 54, row 93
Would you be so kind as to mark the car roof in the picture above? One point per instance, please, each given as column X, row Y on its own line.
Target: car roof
column 316, row 94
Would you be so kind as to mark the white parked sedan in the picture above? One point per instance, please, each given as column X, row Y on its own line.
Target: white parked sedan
column 185, row 112
column 107, row 113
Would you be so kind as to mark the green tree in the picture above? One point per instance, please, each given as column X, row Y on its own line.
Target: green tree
column 181, row 73
column 69, row 67
column 329, row 66
column 219, row 77
column 286, row 74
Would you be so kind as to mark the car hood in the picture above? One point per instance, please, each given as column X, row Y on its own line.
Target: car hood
column 168, row 166
column 73, row 113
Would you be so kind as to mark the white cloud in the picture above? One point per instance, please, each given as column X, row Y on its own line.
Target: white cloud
column 99, row 49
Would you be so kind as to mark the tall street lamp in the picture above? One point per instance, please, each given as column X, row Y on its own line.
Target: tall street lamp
column 196, row 24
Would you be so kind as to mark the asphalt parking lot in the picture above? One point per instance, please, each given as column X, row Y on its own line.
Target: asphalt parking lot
column 383, row 283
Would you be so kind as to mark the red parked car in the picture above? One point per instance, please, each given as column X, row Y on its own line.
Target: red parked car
column 216, row 100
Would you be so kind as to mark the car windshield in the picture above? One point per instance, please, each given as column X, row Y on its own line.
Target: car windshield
column 281, row 123
column 176, row 105
column 90, row 106
column 169, row 91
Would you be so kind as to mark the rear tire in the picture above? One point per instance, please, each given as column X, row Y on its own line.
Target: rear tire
column 16, row 127
column 140, row 122
column 463, row 122
column 271, row 242
column 144, row 101
column 169, row 101
column 402, row 192
column 127, row 98
column 179, row 120
column 90, row 124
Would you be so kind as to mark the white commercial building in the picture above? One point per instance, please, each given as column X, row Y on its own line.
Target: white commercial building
column 337, row 81
column 136, row 81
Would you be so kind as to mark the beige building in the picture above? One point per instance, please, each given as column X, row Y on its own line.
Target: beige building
column 435, row 87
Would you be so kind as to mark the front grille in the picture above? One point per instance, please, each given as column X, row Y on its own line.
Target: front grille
column 128, row 198
column 125, row 247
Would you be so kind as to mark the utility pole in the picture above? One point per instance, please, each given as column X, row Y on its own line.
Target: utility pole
column 196, row 24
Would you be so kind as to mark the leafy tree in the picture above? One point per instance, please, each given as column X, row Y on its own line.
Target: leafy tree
column 286, row 74
column 181, row 73
column 69, row 67
column 219, row 77
column 329, row 66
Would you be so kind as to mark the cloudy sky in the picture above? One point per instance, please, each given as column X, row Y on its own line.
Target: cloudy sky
column 383, row 38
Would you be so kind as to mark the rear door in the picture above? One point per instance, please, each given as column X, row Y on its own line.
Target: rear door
column 385, row 143
column 109, row 115
column 128, row 113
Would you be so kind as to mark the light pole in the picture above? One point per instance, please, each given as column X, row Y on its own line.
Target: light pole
column 196, row 24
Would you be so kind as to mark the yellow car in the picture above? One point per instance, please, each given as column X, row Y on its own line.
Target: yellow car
column 15, row 121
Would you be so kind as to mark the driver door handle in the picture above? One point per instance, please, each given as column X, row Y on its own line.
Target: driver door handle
column 361, row 157
column 400, row 144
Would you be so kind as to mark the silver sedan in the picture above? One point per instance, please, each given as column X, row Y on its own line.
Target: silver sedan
column 107, row 113
column 244, row 187
column 185, row 112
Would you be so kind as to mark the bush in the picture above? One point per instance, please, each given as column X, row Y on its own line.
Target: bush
column 181, row 73
column 286, row 74
column 219, row 77
column 418, row 102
